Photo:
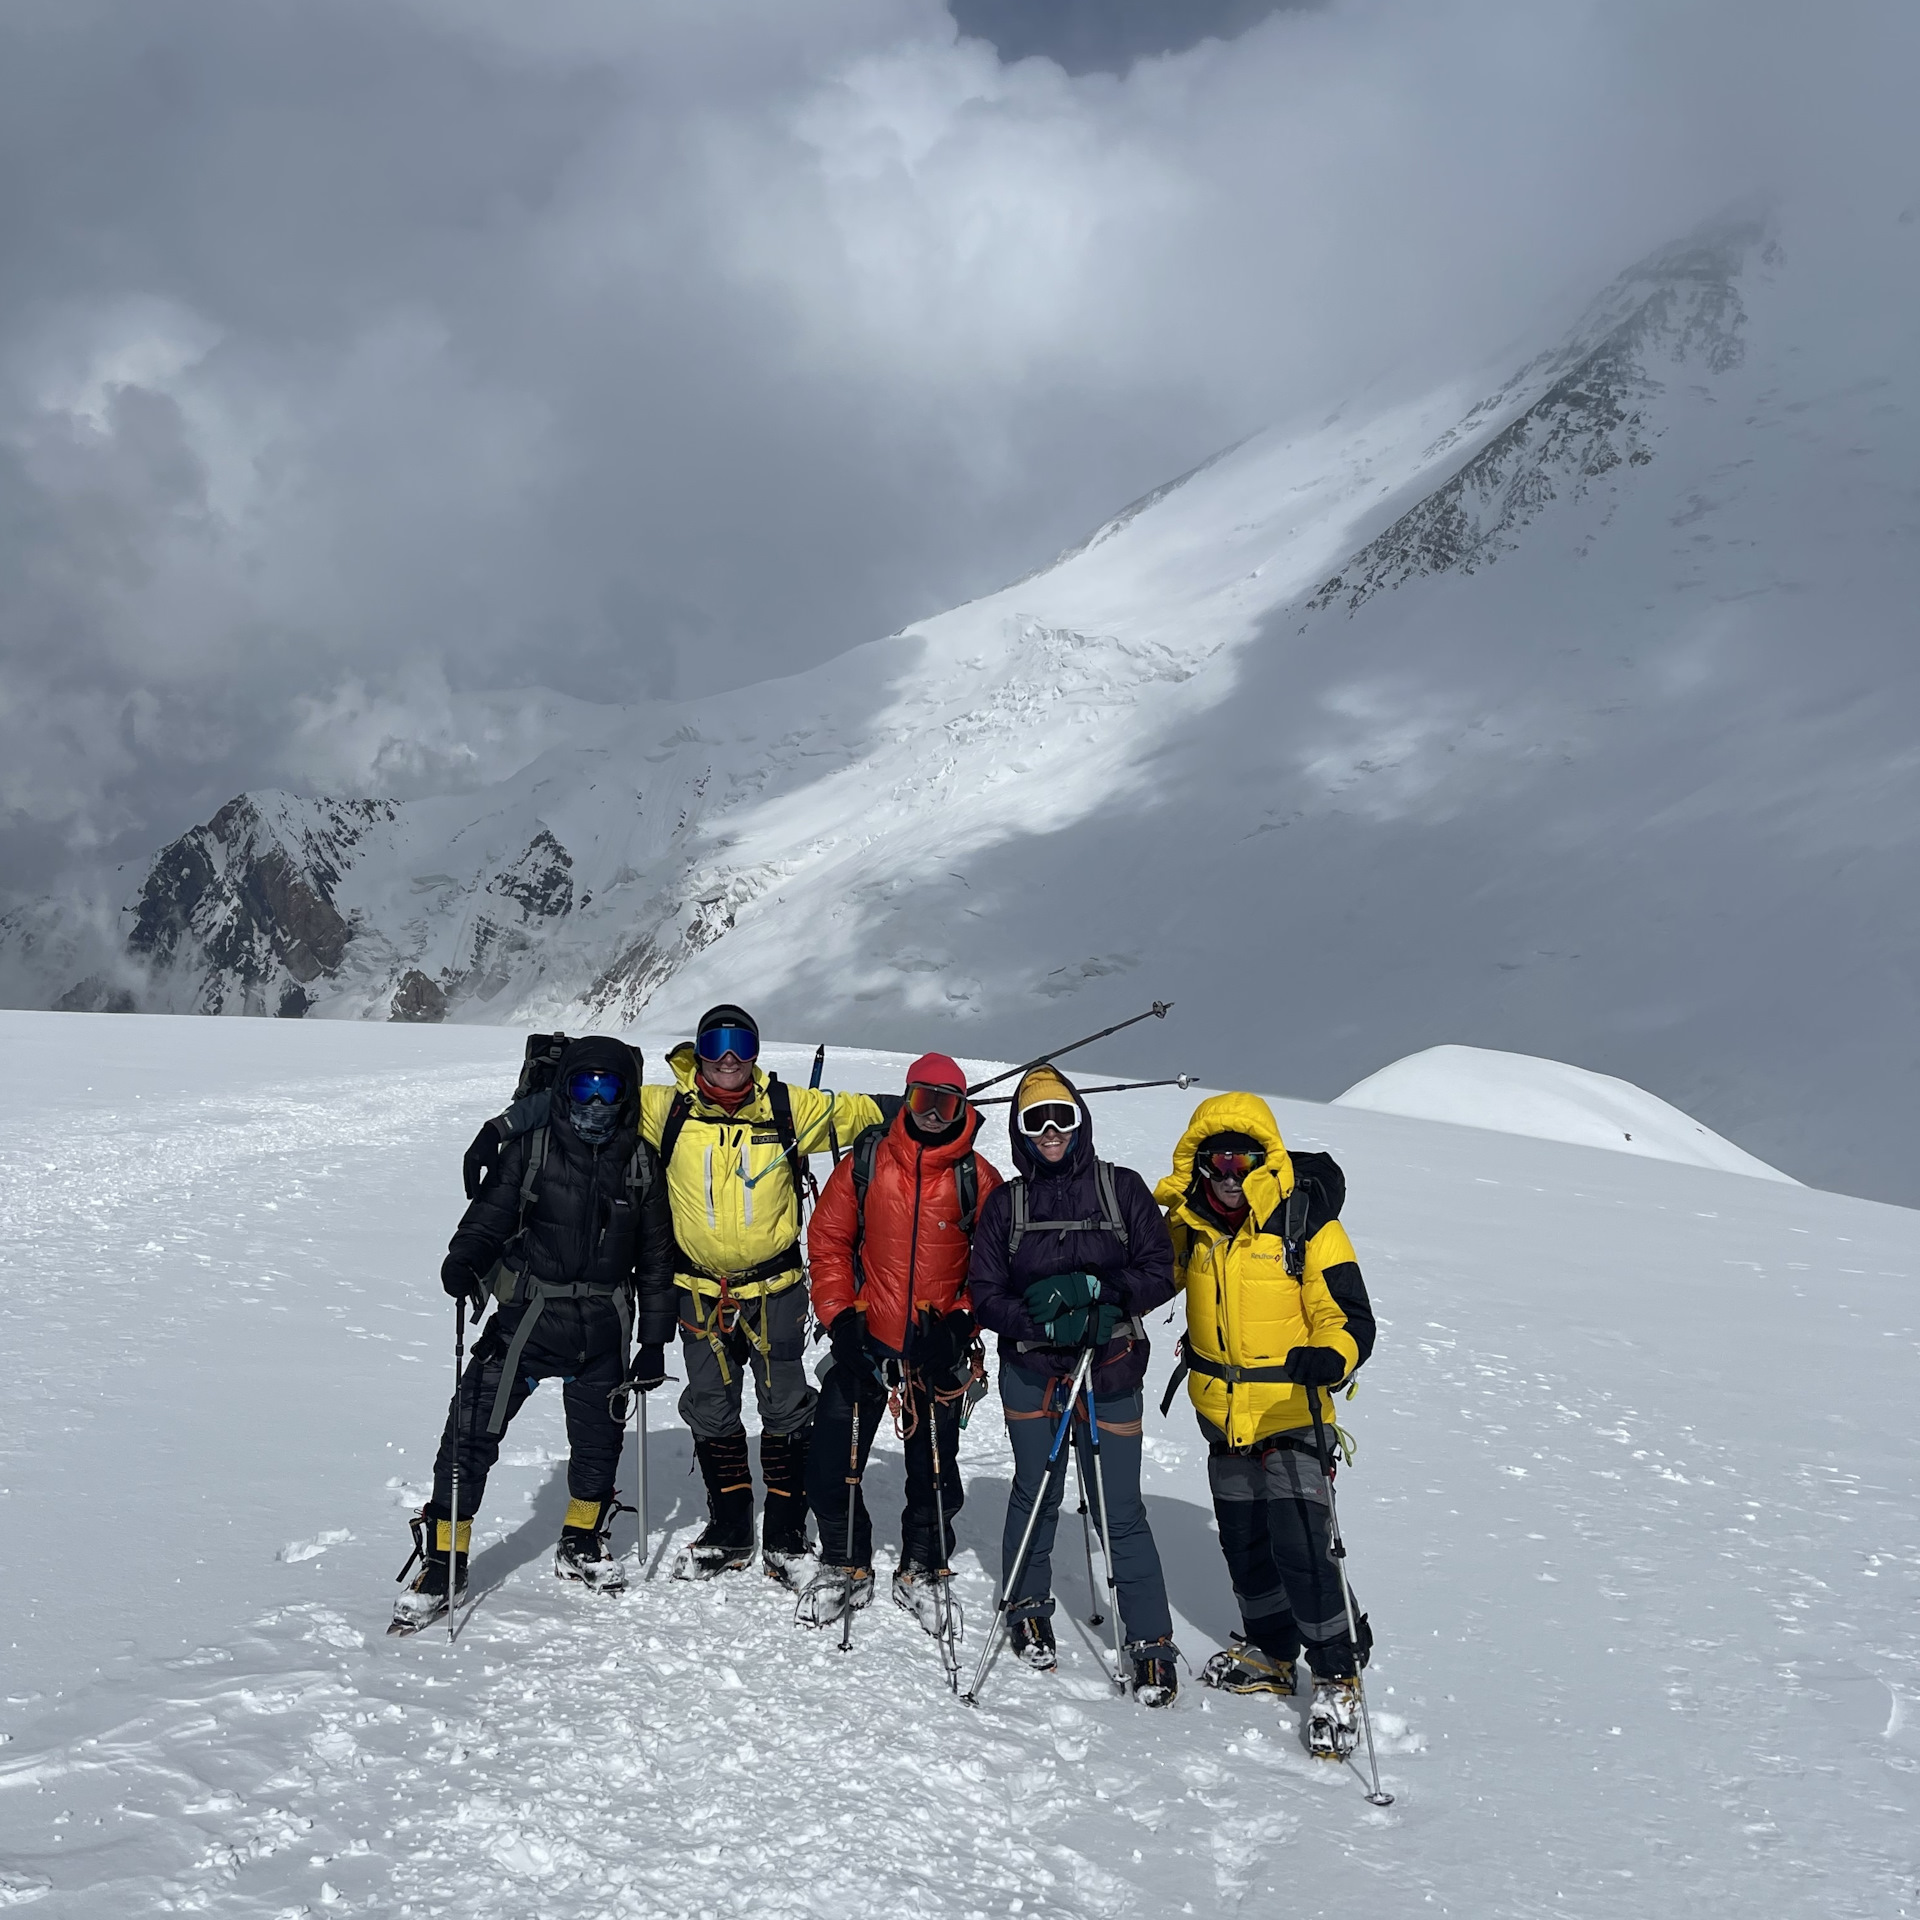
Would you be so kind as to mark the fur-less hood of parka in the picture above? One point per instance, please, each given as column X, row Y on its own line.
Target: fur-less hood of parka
column 1265, row 1187
column 596, row 1052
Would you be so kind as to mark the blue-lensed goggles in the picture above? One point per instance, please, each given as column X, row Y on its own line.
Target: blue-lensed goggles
column 742, row 1042
column 593, row 1084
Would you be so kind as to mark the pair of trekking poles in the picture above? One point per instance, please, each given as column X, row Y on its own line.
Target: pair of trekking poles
column 1082, row 1388
column 948, row 1625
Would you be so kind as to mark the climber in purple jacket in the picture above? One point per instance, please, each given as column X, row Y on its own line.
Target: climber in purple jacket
column 1073, row 1252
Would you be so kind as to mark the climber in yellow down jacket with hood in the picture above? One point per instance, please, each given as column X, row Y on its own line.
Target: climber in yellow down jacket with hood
column 1270, row 1319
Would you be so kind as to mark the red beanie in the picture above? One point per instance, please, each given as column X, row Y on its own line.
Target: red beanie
column 936, row 1070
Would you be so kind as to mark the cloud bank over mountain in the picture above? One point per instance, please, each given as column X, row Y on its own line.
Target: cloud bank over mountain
column 360, row 361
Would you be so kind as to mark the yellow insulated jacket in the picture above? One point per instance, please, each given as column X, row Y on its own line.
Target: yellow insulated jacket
column 736, row 1210
column 1245, row 1312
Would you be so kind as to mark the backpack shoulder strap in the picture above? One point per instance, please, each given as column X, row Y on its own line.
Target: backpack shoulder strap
column 966, row 1185
column 674, row 1125
column 1112, row 1220
column 639, row 1173
column 1017, row 1229
column 863, row 1153
column 780, row 1099
column 530, row 1179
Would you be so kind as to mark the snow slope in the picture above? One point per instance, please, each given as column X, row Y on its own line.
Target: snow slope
column 1545, row 1100
column 1566, row 707
column 1634, row 1512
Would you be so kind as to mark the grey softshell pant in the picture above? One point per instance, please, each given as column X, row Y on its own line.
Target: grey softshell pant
column 710, row 1403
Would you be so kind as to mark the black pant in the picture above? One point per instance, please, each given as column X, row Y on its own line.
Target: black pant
column 1275, row 1531
column 833, row 1429
column 579, row 1342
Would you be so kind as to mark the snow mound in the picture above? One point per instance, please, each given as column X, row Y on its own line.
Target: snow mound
column 1547, row 1100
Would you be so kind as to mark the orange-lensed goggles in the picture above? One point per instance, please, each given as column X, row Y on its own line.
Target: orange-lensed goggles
column 942, row 1105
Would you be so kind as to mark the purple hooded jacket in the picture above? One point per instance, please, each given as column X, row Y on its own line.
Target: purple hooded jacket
column 1137, row 1276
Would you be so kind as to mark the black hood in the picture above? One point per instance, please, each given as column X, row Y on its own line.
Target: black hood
column 1027, row 1157
column 596, row 1051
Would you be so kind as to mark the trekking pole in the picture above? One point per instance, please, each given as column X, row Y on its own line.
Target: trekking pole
column 1106, row 1530
column 1158, row 1011
column 646, row 1528
column 453, row 1523
column 1119, row 1086
column 942, row 1574
column 853, row 1490
column 1012, row 1580
column 1337, row 1550
column 1086, row 1534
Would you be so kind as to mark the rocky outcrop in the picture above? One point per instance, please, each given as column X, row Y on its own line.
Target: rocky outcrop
column 240, row 913
column 418, row 999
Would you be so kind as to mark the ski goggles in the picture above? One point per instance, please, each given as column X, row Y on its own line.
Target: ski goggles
column 742, row 1042
column 942, row 1105
column 1229, row 1164
column 1061, row 1115
column 593, row 1083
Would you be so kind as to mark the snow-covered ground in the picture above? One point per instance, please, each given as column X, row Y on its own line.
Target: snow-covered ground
column 1636, row 1512
column 1546, row 1100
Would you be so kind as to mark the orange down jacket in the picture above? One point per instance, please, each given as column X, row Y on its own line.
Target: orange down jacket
column 914, row 1252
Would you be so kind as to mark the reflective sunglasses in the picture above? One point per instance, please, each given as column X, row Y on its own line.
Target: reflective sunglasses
column 1061, row 1115
column 1230, row 1165
column 591, row 1083
column 742, row 1042
column 940, row 1104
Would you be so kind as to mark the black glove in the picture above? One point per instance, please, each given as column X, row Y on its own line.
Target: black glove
column 1104, row 1321
column 459, row 1280
column 941, row 1343
column 848, row 1338
column 483, row 1158
column 1316, row 1367
column 649, row 1369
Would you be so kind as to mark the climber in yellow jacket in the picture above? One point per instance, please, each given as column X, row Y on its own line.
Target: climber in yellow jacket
column 1276, row 1310
column 733, row 1141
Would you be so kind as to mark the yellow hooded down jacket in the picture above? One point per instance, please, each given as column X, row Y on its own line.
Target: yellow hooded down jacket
column 1244, row 1310
column 734, row 1204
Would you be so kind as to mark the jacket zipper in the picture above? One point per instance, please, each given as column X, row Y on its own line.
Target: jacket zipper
column 913, row 1244
column 711, row 1221
column 746, row 1171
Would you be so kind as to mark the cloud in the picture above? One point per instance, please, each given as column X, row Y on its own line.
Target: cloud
column 361, row 359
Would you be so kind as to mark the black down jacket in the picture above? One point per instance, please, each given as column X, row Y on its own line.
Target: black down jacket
column 582, row 1223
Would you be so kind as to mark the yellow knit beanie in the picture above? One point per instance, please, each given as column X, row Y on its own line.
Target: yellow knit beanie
column 1041, row 1085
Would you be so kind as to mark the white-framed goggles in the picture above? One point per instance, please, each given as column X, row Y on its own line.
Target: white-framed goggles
column 1061, row 1115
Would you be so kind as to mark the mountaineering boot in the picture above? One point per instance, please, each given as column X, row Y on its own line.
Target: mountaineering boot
column 1156, row 1675
column 1333, row 1720
column 784, row 1548
column 583, row 1553
column 1031, row 1638
column 832, row 1592
column 425, row 1600
column 922, row 1592
column 726, row 1543
column 1245, row 1668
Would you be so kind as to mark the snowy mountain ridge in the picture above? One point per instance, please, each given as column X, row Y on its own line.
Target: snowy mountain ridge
column 282, row 904
column 1562, row 710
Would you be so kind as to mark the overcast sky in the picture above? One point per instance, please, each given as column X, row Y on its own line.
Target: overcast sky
column 357, row 352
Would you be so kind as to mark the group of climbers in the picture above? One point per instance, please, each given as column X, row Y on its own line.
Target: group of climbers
column 604, row 1212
